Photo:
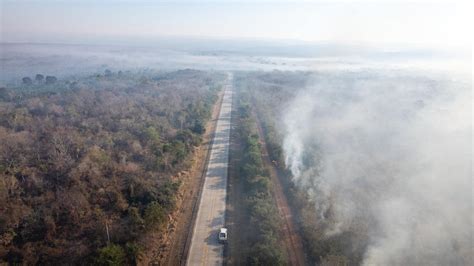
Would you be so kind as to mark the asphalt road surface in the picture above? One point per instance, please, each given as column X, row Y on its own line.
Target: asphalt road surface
column 205, row 248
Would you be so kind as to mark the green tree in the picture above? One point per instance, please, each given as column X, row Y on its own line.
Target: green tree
column 154, row 215
column 266, row 254
column 111, row 255
column 199, row 126
column 134, row 252
column 135, row 220
column 152, row 135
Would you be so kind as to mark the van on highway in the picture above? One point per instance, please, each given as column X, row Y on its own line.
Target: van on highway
column 222, row 235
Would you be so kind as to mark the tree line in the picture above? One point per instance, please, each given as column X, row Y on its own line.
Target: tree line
column 263, row 221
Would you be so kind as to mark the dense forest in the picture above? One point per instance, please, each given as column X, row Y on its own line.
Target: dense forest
column 89, row 164
column 270, row 93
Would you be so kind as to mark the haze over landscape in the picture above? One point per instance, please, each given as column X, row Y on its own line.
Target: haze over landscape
column 350, row 144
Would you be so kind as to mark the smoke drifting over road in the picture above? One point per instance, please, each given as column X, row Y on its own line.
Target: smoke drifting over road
column 390, row 151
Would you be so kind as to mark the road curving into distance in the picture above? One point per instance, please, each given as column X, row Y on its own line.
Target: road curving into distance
column 205, row 248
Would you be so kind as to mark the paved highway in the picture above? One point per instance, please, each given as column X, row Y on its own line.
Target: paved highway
column 205, row 248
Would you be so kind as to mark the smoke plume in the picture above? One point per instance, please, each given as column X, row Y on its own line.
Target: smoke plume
column 389, row 149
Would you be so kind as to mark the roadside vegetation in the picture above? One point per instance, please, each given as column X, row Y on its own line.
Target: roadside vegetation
column 90, row 164
column 263, row 224
column 269, row 93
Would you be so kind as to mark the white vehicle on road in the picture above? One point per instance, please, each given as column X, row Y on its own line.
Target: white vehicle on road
column 223, row 235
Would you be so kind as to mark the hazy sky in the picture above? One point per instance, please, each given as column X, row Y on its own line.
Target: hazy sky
column 426, row 22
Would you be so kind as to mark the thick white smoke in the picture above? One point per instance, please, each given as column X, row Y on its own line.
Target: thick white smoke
column 393, row 149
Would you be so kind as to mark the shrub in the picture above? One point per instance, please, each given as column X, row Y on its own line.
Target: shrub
column 111, row 255
column 154, row 215
column 134, row 252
